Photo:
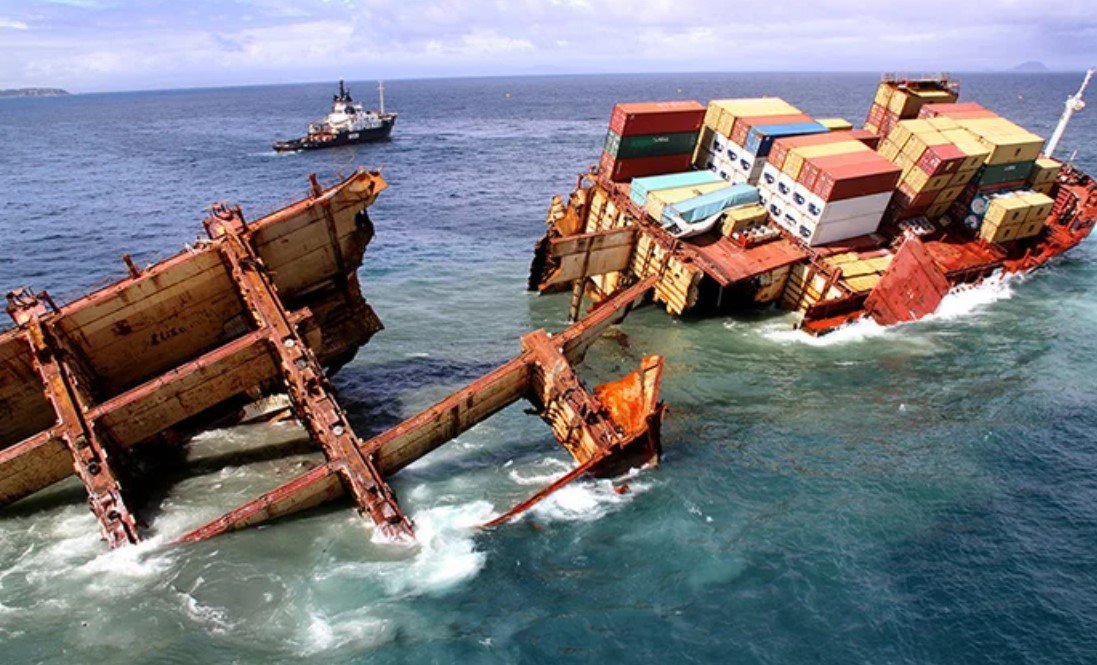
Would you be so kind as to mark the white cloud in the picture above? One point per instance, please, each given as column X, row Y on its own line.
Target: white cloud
column 91, row 44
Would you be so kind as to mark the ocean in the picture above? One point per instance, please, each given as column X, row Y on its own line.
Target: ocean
column 921, row 494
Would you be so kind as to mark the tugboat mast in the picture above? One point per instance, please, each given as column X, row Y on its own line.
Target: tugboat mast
column 381, row 95
column 1074, row 103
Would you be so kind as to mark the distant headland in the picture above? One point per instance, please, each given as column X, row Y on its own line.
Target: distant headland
column 33, row 92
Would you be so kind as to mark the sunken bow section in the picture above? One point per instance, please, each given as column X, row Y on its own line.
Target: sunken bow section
column 259, row 308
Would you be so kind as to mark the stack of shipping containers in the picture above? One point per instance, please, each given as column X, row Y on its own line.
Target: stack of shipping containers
column 650, row 138
column 938, row 159
column 828, row 187
column 739, row 133
column 1008, row 172
column 897, row 100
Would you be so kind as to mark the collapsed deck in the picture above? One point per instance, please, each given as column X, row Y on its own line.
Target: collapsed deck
column 258, row 308
column 599, row 241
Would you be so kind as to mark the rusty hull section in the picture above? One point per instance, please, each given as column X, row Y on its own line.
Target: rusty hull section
column 607, row 432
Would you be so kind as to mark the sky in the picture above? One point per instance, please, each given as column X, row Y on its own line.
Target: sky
column 105, row 45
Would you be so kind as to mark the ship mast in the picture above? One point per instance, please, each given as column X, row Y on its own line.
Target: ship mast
column 381, row 94
column 1074, row 103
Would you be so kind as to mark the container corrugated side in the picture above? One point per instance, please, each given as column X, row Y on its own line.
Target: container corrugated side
column 761, row 138
column 641, row 187
column 629, row 119
column 650, row 145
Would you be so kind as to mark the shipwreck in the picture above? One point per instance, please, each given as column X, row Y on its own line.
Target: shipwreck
column 263, row 307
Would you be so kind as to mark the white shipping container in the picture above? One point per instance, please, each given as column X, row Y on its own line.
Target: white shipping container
column 785, row 185
column 851, row 227
column 832, row 211
column 770, row 173
column 800, row 197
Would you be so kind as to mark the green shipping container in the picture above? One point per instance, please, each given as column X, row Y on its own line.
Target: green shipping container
column 650, row 145
column 996, row 173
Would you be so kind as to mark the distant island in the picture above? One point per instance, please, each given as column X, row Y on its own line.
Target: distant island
column 1030, row 66
column 33, row 92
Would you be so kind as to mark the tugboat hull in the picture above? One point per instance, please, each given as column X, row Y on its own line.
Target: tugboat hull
column 318, row 141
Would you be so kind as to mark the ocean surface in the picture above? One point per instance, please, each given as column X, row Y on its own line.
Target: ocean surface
column 924, row 494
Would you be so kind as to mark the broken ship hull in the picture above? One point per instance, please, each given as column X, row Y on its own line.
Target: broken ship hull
column 261, row 308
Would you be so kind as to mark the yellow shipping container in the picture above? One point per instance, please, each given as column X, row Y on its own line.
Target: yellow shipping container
column 883, row 95
column 938, row 210
column 950, row 193
column 1040, row 206
column 661, row 198
column 998, row 233
column 887, row 149
column 742, row 217
column 941, row 123
column 939, row 182
column 835, row 124
column 871, row 127
column 1030, row 229
column 730, row 109
column 1045, row 170
column 961, row 178
column 1006, row 211
column 916, row 179
column 1006, row 141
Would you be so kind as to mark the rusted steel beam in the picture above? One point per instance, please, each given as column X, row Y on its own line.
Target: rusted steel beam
column 306, row 383
column 426, row 431
column 307, row 490
column 90, row 458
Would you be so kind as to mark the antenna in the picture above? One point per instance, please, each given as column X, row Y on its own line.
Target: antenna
column 1074, row 103
column 381, row 94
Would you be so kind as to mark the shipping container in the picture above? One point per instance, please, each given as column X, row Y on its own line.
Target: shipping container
column 657, row 117
column 1000, row 173
column 659, row 199
column 641, row 187
column 853, row 227
column 836, row 124
column 851, row 175
column 650, row 145
column 761, row 138
column 743, row 124
column 623, row 170
column 701, row 207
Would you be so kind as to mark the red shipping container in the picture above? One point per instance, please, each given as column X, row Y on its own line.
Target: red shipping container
column 742, row 126
column 941, row 159
column 876, row 113
column 934, row 110
column 622, row 170
column 779, row 151
column 657, row 118
column 852, row 175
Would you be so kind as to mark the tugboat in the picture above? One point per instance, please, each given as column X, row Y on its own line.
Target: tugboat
column 347, row 123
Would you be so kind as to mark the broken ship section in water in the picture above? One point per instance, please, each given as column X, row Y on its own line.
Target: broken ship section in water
column 844, row 224
column 266, row 307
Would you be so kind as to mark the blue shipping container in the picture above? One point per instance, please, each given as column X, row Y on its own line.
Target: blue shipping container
column 707, row 205
column 761, row 138
column 638, row 190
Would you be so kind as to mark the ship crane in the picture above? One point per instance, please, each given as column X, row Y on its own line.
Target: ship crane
column 1074, row 103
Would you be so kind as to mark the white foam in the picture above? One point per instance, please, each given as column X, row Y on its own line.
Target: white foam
column 960, row 302
column 324, row 633
column 447, row 552
column 585, row 500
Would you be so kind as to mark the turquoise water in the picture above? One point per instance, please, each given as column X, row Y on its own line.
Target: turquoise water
column 924, row 494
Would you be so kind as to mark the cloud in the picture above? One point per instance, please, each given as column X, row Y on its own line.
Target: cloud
column 95, row 44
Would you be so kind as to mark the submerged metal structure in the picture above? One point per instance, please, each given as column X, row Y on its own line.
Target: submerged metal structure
column 258, row 308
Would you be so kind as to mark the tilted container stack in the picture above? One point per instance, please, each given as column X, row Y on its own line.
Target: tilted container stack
column 650, row 138
column 827, row 188
column 739, row 133
column 902, row 99
column 1009, row 165
column 937, row 159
